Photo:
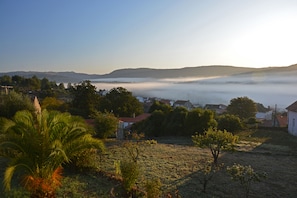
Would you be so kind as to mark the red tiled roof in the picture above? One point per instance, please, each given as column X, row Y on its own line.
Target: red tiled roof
column 292, row 107
column 136, row 119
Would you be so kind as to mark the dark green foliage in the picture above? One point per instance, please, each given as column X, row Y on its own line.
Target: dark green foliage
column 243, row 107
column 121, row 103
column 160, row 106
column 199, row 120
column 229, row 123
column 175, row 121
column 86, row 101
column 14, row 102
column 41, row 88
column 153, row 126
column 105, row 125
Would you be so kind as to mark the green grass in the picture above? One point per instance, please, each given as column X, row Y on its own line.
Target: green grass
column 175, row 161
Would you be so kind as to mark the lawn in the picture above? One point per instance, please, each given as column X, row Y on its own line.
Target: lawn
column 175, row 161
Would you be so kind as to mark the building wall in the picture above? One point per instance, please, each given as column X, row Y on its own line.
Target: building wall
column 292, row 123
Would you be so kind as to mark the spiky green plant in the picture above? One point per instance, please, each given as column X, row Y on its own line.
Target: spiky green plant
column 37, row 145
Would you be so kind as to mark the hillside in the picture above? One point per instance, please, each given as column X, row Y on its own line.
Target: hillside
column 199, row 71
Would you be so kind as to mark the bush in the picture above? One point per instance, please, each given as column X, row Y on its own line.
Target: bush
column 229, row 123
column 153, row 188
column 245, row 175
column 105, row 125
column 130, row 172
column 84, row 160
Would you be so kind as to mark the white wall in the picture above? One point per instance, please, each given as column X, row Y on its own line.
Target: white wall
column 292, row 123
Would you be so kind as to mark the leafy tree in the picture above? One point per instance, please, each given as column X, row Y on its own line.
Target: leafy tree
column 6, row 80
column 199, row 120
column 160, row 106
column 14, row 102
column 230, row 123
column 86, row 101
column 52, row 103
column 37, row 145
column 245, row 175
column 121, row 102
column 215, row 140
column 175, row 121
column 207, row 171
column 243, row 107
column 153, row 126
column 105, row 124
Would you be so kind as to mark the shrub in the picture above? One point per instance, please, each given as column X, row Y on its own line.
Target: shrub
column 245, row 175
column 130, row 172
column 230, row 123
column 153, row 188
column 207, row 170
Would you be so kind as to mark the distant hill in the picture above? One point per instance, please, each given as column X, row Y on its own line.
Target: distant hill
column 64, row 77
column 199, row 71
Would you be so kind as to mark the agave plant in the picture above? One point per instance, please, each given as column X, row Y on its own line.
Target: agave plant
column 37, row 145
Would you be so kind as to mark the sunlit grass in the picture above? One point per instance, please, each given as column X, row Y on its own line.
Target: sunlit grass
column 175, row 161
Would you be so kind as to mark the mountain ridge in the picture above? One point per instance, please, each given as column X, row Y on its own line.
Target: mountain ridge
column 198, row 71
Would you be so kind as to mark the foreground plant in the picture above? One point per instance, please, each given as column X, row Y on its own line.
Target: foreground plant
column 245, row 175
column 207, row 170
column 37, row 145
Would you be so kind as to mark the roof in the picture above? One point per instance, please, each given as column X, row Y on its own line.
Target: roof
column 215, row 106
column 181, row 102
column 292, row 107
column 136, row 119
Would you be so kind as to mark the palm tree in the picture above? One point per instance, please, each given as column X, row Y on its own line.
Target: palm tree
column 37, row 145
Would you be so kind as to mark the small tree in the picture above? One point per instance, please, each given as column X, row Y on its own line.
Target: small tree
column 215, row 140
column 245, row 175
column 243, row 107
column 207, row 170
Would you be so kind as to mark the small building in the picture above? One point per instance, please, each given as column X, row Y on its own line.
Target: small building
column 292, row 118
column 281, row 121
column 267, row 115
column 126, row 122
column 218, row 108
column 183, row 103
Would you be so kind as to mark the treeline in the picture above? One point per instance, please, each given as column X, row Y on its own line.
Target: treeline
column 81, row 99
column 168, row 121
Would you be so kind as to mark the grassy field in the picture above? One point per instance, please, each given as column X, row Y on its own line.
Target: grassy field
column 175, row 161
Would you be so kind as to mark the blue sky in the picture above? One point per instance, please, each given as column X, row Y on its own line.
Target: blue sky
column 97, row 36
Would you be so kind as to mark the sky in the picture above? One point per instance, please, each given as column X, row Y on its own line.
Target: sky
column 99, row 36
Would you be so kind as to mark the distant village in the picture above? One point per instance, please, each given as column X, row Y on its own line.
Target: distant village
column 266, row 116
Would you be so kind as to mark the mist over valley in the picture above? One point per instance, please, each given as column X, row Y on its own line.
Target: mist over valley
column 269, row 90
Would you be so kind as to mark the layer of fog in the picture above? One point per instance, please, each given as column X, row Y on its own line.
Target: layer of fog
column 270, row 91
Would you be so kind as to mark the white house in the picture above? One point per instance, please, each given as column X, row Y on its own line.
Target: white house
column 264, row 115
column 292, row 118
column 183, row 103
